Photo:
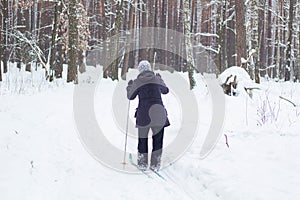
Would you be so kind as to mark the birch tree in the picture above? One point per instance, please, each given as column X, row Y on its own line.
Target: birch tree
column 53, row 47
column 254, row 43
column 42, row 32
column 188, row 43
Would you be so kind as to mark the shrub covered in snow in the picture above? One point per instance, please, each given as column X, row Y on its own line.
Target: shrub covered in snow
column 235, row 80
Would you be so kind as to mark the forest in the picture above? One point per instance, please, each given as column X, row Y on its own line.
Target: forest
column 262, row 36
column 213, row 115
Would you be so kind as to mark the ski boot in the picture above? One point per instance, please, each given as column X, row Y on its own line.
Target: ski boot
column 155, row 162
column 142, row 161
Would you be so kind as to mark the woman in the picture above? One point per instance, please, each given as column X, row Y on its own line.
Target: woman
column 150, row 114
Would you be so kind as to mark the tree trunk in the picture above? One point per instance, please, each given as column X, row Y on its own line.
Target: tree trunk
column 224, row 38
column 105, row 43
column 129, row 40
column 283, row 40
column 254, row 73
column 270, row 54
column 0, row 70
column 53, row 39
column 181, row 45
column 231, row 42
column 222, row 25
column 188, row 44
column 35, row 21
column 298, row 66
column 20, row 30
column 1, row 44
column 132, row 54
column 289, row 64
column 169, row 60
column 297, row 72
column 240, row 32
column 176, row 64
column 279, row 38
column 1, row 49
column 205, row 22
column 262, row 37
column 163, row 25
column 219, row 22
column 118, row 23
column 28, row 24
column 151, row 33
column 4, row 40
column 61, row 54
column 143, row 36
column 72, row 75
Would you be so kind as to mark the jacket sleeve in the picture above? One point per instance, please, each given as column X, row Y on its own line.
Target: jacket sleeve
column 132, row 91
column 163, row 88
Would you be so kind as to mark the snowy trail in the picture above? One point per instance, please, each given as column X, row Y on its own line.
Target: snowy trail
column 180, row 184
column 42, row 156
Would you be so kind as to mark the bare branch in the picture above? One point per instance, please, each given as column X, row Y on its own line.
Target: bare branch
column 288, row 101
column 226, row 140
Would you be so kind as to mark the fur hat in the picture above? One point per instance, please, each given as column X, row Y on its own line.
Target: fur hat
column 144, row 65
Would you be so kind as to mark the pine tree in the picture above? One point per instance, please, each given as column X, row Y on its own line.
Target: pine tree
column 289, row 66
column 221, row 31
column 118, row 22
column 230, row 41
column 4, row 35
column 72, row 75
column 1, row 41
column 129, row 41
column 255, row 42
column 53, row 47
column 279, row 38
column 240, row 31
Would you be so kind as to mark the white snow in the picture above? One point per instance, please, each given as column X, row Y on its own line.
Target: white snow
column 243, row 79
column 42, row 156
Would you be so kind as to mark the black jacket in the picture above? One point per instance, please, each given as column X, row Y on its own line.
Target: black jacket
column 151, row 111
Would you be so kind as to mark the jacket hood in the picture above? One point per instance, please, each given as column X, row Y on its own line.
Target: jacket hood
column 146, row 76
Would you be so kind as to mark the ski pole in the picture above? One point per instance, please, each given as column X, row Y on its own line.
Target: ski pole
column 126, row 134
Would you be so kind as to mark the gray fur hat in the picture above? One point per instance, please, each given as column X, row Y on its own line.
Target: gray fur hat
column 144, row 65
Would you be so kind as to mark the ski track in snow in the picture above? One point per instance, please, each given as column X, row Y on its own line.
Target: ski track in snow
column 42, row 156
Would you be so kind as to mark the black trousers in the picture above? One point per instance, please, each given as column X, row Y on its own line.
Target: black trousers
column 157, row 139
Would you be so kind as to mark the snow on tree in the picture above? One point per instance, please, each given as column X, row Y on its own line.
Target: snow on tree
column 289, row 57
column 188, row 43
column 227, row 30
column 236, row 80
column 76, row 36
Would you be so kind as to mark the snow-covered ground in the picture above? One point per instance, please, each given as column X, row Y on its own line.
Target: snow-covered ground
column 42, row 156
